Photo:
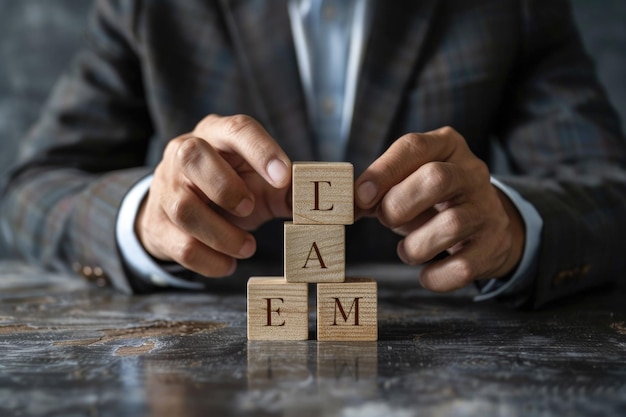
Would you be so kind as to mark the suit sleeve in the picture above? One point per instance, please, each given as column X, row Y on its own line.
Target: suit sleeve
column 60, row 200
column 568, row 155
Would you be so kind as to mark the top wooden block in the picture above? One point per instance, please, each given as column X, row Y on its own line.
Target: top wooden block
column 323, row 193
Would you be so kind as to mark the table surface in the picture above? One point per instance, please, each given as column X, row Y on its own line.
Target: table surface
column 70, row 349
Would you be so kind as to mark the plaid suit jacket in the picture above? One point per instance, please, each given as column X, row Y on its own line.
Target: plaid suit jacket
column 514, row 71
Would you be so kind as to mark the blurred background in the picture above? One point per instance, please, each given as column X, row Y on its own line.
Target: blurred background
column 39, row 37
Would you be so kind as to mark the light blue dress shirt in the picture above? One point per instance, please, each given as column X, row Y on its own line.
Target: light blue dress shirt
column 329, row 36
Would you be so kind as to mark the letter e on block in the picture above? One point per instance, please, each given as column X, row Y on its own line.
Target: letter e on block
column 347, row 311
column 323, row 193
column 277, row 310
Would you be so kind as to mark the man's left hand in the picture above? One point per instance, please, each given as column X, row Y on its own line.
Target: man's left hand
column 431, row 189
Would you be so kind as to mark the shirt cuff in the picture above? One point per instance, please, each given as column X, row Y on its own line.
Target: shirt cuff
column 141, row 264
column 523, row 276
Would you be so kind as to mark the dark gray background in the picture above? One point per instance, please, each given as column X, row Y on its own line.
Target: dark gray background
column 39, row 37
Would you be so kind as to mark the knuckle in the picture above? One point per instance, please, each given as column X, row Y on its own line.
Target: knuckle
column 414, row 144
column 180, row 211
column 435, row 178
column 188, row 152
column 413, row 252
column 172, row 146
column 185, row 251
column 393, row 210
column 206, row 121
column 450, row 134
column 464, row 271
column 449, row 131
column 456, row 221
column 239, row 124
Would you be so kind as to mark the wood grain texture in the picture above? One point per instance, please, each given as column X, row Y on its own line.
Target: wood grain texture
column 437, row 354
column 347, row 311
column 277, row 310
column 323, row 193
column 315, row 253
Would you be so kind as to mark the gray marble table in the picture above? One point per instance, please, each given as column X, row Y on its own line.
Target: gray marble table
column 70, row 349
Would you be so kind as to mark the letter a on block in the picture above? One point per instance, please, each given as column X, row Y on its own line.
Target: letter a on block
column 277, row 310
column 315, row 253
column 323, row 193
column 347, row 311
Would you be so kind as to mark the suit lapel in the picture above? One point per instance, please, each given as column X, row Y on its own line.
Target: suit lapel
column 261, row 34
column 397, row 33
column 262, row 37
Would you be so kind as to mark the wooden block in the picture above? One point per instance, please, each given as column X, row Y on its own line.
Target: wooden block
column 277, row 310
column 347, row 311
column 323, row 193
column 315, row 253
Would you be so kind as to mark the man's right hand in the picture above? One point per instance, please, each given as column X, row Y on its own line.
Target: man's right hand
column 211, row 188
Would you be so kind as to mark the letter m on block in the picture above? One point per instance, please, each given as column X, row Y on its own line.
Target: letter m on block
column 347, row 310
column 354, row 308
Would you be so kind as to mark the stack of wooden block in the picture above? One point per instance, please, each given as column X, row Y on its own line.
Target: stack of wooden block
column 323, row 204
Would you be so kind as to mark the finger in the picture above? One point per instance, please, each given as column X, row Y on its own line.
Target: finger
column 360, row 213
column 432, row 183
column 456, row 271
column 196, row 256
column 443, row 231
column 196, row 219
column 402, row 158
column 169, row 243
column 212, row 178
column 271, row 202
column 245, row 137
column 415, row 223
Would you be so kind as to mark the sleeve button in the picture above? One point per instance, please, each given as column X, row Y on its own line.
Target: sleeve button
column 87, row 271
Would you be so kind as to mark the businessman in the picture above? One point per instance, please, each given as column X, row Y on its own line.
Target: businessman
column 411, row 93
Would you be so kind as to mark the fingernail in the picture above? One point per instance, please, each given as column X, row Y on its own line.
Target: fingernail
column 247, row 249
column 277, row 170
column 367, row 192
column 400, row 251
column 245, row 207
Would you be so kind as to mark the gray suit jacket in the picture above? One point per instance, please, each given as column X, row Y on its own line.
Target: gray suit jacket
column 513, row 71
